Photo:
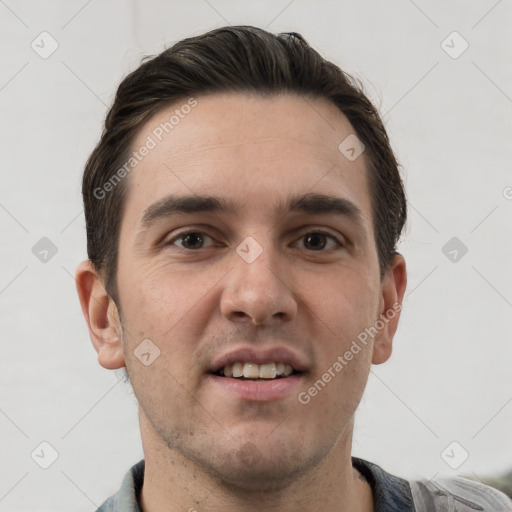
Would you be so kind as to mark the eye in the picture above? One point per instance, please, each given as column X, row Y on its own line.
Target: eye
column 318, row 241
column 191, row 240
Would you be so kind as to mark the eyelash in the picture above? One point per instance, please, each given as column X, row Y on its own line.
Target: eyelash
column 329, row 235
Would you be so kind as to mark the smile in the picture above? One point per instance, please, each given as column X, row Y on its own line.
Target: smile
column 246, row 370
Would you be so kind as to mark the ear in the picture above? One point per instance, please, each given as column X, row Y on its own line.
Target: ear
column 101, row 315
column 392, row 293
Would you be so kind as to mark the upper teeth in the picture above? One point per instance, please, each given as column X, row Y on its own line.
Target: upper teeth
column 255, row 371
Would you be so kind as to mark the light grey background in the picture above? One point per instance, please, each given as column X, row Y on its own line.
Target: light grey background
column 449, row 378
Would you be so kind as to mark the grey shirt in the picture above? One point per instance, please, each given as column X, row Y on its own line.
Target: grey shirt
column 390, row 493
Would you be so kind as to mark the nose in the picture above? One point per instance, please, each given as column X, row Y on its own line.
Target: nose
column 258, row 292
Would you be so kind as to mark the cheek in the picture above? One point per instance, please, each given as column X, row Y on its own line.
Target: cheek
column 345, row 303
column 343, row 362
column 158, row 297
column 170, row 308
column 341, row 396
column 346, row 307
column 162, row 307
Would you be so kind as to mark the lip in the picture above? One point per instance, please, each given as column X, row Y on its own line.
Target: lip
column 258, row 390
column 250, row 355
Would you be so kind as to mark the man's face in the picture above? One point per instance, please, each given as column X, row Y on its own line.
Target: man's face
column 291, row 287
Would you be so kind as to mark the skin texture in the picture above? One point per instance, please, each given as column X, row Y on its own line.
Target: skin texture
column 209, row 449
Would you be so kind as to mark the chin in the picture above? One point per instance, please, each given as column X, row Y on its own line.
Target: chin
column 262, row 467
column 267, row 476
column 248, row 460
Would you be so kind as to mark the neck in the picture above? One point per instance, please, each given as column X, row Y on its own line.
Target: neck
column 172, row 482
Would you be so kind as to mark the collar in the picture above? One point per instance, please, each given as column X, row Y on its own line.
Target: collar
column 390, row 493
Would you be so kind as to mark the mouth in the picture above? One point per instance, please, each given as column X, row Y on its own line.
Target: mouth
column 241, row 370
column 258, row 376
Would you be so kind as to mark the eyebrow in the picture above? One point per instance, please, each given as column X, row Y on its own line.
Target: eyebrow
column 172, row 205
column 314, row 204
column 318, row 204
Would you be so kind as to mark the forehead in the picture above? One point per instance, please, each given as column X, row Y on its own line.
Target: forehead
column 248, row 149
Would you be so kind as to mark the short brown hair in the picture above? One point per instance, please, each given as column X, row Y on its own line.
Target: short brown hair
column 233, row 59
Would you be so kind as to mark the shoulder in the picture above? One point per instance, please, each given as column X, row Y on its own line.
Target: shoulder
column 392, row 493
column 457, row 494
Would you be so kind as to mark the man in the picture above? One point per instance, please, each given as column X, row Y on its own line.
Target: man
column 243, row 208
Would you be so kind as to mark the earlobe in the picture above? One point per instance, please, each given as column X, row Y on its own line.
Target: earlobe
column 102, row 317
column 392, row 294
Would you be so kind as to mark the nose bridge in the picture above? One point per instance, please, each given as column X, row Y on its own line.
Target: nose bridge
column 256, row 291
